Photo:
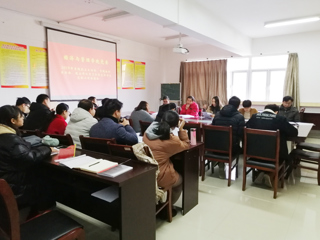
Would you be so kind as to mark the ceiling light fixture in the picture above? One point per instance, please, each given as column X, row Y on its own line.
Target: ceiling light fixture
column 291, row 22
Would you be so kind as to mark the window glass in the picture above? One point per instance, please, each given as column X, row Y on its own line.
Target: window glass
column 235, row 64
column 239, row 85
column 276, row 85
column 259, row 86
column 269, row 62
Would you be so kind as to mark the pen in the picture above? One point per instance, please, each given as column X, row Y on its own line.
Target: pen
column 94, row 164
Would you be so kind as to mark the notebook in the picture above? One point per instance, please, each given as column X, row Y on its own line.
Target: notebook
column 116, row 171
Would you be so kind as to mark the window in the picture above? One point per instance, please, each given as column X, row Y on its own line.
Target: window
column 259, row 79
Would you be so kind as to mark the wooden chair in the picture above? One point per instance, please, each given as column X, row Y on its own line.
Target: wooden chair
column 144, row 126
column 312, row 156
column 130, row 122
column 261, row 151
column 65, row 140
column 127, row 151
column 95, row 144
column 26, row 133
column 51, row 225
column 302, row 114
column 218, row 148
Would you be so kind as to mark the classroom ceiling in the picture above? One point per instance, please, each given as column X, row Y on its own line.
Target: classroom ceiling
column 247, row 16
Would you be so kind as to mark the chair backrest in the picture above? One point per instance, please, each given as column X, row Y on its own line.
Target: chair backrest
column 130, row 122
column 144, row 126
column 96, row 144
column 63, row 139
column 217, row 138
column 187, row 126
column 261, row 144
column 121, row 150
column 26, row 133
column 302, row 114
column 9, row 214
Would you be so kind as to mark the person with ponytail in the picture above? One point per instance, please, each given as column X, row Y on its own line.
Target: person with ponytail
column 163, row 145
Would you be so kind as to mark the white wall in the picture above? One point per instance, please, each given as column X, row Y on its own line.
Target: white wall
column 24, row 29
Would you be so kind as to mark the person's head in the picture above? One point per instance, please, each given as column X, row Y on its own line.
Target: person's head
column 63, row 110
column 190, row 99
column 11, row 116
column 234, row 101
column 172, row 106
column 43, row 99
column 92, row 99
column 215, row 102
column 165, row 100
column 287, row 101
column 273, row 107
column 87, row 105
column 246, row 104
column 143, row 105
column 113, row 108
column 170, row 120
column 104, row 100
column 23, row 104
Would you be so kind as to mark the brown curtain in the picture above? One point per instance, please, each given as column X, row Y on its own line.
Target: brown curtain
column 204, row 80
column 291, row 82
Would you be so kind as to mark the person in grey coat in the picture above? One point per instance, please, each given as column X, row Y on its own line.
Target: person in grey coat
column 140, row 113
column 113, row 126
column 288, row 111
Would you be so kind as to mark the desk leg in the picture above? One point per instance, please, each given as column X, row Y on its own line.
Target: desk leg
column 190, row 180
column 138, row 208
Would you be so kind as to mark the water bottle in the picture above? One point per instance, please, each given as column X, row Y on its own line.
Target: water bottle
column 193, row 136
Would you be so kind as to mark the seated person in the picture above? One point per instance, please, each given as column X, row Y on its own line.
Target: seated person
column 214, row 107
column 81, row 121
column 58, row 124
column 40, row 114
column 23, row 104
column 140, row 113
column 17, row 161
column 112, row 126
column 247, row 110
column 163, row 145
column 170, row 106
column 190, row 108
column 270, row 120
column 165, row 101
column 229, row 115
column 99, row 110
column 288, row 111
column 94, row 101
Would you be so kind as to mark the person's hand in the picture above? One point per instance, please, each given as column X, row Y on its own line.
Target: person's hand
column 181, row 123
column 187, row 106
column 53, row 149
column 125, row 122
column 204, row 106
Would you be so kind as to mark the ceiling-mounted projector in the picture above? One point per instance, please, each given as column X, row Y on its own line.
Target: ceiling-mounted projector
column 180, row 49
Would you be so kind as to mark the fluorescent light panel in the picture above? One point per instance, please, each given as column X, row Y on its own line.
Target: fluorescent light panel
column 291, row 22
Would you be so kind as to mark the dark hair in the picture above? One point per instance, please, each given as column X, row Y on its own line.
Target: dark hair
column 85, row 104
column 234, row 101
column 287, row 98
column 215, row 108
column 91, row 98
column 172, row 106
column 142, row 105
column 246, row 103
column 169, row 119
column 273, row 107
column 61, row 108
column 22, row 100
column 8, row 112
column 41, row 98
column 164, row 109
column 191, row 97
column 104, row 100
column 165, row 97
column 111, row 106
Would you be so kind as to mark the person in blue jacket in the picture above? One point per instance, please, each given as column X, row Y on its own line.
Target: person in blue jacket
column 113, row 126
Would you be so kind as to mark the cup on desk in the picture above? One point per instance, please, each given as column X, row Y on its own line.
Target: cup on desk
column 193, row 136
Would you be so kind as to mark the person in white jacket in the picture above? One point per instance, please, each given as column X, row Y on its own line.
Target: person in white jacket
column 81, row 121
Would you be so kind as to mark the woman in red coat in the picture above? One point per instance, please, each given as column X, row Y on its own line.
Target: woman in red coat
column 58, row 124
column 190, row 108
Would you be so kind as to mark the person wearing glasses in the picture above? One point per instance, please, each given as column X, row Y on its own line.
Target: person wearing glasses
column 23, row 104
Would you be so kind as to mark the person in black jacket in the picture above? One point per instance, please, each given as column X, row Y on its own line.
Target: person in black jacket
column 40, row 115
column 18, row 159
column 270, row 120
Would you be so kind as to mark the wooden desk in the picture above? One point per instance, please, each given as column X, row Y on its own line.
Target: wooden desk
column 187, row 164
column 133, row 212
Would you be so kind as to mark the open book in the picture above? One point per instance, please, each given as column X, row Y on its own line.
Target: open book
column 88, row 164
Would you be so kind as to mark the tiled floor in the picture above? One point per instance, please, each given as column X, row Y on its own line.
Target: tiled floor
column 227, row 213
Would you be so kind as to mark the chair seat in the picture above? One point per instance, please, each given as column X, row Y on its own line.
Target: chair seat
column 261, row 163
column 51, row 225
column 222, row 156
column 309, row 146
column 315, row 156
